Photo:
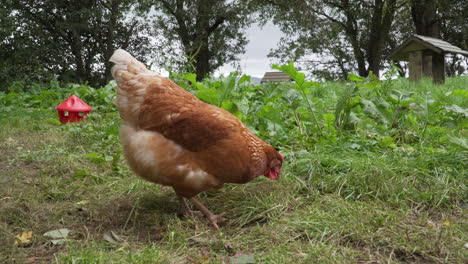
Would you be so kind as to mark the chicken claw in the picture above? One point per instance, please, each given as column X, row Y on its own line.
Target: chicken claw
column 214, row 219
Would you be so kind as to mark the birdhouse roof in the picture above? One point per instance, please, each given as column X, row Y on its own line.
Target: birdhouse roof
column 275, row 77
column 418, row 43
column 73, row 103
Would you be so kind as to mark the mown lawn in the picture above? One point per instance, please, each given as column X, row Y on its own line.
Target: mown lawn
column 341, row 199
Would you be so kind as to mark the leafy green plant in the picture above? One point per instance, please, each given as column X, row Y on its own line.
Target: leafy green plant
column 303, row 86
column 389, row 178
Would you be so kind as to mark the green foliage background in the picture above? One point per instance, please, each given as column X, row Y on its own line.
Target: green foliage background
column 369, row 119
column 372, row 168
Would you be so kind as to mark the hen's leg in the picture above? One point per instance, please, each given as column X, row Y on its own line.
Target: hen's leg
column 184, row 210
column 214, row 219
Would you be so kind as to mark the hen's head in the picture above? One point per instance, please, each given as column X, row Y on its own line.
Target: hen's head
column 274, row 163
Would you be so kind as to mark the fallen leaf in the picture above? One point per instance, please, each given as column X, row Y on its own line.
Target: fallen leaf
column 57, row 233
column 243, row 259
column 23, row 238
column 112, row 238
column 59, row 241
column 82, row 202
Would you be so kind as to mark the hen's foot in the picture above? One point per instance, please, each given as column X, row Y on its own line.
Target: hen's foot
column 188, row 213
column 214, row 219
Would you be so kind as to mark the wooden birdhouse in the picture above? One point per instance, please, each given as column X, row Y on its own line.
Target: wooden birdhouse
column 73, row 109
column 426, row 57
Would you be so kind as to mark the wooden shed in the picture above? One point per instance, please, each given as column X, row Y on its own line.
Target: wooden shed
column 425, row 56
column 275, row 77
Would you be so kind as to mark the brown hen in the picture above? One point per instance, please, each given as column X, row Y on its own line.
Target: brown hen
column 172, row 138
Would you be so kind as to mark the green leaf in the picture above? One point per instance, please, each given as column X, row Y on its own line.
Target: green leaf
column 243, row 105
column 329, row 119
column 461, row 142
column 192, row 78
column 244, row 78
column 370, row 108
column 387, row 142
column 94, row 155
column 290, row 70
column 457, row 109
column 232, row 108
column 210, row 96
column 80, row 174
column 54, row 121
column 459, row 92
column 270, row 112
column 304, row 112
column 355, row 78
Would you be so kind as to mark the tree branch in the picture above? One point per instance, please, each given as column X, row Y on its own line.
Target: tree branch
column 215, row 25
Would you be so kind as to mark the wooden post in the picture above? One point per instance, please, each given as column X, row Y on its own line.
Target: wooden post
column 438, row 68
column 415, row 65
column 427, row 63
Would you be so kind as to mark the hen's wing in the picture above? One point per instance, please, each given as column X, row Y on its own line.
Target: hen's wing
column 184, row 119
column 151, row 102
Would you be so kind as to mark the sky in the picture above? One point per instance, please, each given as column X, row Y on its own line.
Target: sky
column 255, row 61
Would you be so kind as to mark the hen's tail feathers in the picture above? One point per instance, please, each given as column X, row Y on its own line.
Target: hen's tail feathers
column 131, row 88
column 125, row 66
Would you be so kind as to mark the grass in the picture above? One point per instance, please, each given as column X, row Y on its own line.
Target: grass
column 335, row 203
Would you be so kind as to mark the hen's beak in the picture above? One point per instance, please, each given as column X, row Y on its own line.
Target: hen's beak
column 273, row 174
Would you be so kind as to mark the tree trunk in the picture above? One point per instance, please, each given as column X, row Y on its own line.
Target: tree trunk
column 201, row 41
column 202, row 65
column 382, row 18
column 76, row 50
column 113, row 9
column 425, row 19
column 427, row 23
column 351, row 32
